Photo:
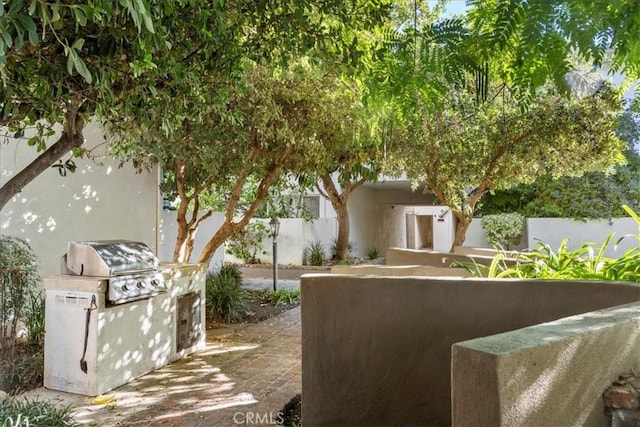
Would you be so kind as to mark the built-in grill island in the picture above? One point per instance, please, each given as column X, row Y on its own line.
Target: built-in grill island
column 115, row 313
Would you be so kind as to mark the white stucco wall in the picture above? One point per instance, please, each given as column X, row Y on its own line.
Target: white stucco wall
column 443, row 225
column 169, row 231
column 366, row 226
column 94, row 203
column 476, row 236
column 379, row 215
column 553, row 230
column 294, row 236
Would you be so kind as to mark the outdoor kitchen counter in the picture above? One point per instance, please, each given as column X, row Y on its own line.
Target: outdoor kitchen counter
column 172, row 270
column 75, row 283
column 94, row 343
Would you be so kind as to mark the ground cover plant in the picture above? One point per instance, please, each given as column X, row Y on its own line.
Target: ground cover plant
column 25, row 413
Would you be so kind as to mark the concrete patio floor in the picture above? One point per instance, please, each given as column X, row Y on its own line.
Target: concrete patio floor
column 244, row 376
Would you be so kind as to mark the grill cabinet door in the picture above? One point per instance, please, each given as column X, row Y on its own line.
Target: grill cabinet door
column 189, row 328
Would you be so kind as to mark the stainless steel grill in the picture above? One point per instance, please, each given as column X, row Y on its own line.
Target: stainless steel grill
column 130, row 268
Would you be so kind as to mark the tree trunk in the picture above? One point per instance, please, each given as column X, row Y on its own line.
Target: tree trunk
column 183, row 232
column 71, row 138
column 461, row 228
column 339, row 202
column 342, row 243
column 229, row 227
column 187, row 229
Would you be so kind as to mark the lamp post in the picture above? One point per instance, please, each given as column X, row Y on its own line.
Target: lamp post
column 274, row 225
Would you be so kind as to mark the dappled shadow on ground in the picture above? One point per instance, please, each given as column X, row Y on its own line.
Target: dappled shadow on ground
column 193, row 384
column 255, row 368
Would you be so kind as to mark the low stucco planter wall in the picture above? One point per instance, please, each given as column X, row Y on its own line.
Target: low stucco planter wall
column 400, row 256
column 259, row 271
column 377, row 350
column 545, row 375
column 400, row 270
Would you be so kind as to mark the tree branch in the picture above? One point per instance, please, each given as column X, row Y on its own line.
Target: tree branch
column 71, row 138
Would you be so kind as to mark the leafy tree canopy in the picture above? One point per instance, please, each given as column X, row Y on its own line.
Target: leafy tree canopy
column 535, row 39
column 68, row 62
column 468, row 149
column 594, row 195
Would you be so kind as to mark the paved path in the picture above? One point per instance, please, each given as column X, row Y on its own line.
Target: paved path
column 244, row 377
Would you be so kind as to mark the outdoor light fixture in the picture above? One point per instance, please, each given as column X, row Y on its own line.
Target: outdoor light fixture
column 274, row 225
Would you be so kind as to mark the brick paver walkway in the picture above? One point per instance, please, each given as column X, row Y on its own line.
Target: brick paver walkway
column 243, row 378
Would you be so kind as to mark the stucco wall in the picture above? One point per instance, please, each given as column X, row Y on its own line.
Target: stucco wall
column 476, row 236
column 377, row 351
column 553, row 230
column 96, row 202
column 169, row 232
column 548, row 374
column 400, row 256
column 294, row 236
column 366, row 223
column 378, row 215
column 399, row 270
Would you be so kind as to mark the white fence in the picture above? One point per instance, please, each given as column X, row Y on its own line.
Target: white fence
column 295, row 234
column 553, row 230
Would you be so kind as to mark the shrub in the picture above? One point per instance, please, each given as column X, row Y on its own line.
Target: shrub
column 25, row 413
column 334, row 248
column 247, row 244
column 225, row 296
column 23, row 371
column 373, row 253
column 584, row 263
column 19, row 280
column 504, row 230
column 313, row 254
column 34, row 318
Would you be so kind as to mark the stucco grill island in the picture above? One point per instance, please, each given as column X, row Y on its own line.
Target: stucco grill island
column 116, row 313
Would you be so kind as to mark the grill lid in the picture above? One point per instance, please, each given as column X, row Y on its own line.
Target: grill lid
column 109, row 258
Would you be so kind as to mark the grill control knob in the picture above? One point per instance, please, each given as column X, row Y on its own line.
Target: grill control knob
column 125, row 288
column 155, row 282
column 140, row 285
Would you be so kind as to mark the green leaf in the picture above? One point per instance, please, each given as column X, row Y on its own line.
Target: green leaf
column 15, row 6
column 55, row 17
column 82, row 68
column 70, row 61
column 70, row 165
column 148, row 23
column 81, row 19
column 27, row 23
column 77, row 45
column 8, row 106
